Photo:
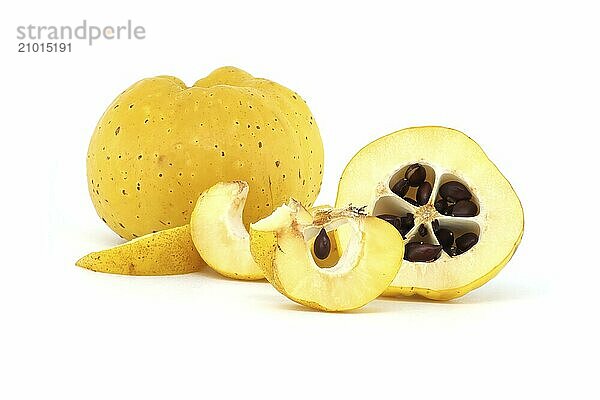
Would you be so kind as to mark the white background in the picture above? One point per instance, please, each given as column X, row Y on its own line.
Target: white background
column 520, row 77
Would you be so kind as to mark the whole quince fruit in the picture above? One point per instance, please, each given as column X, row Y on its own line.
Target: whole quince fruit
column 161, row 143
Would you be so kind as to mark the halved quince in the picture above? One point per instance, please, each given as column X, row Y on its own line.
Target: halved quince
column 461, row 218
column 283, row 245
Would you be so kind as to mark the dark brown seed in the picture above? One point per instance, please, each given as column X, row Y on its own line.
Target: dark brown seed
column 452, row 251
column 435, row 225
column 441, row 206
column 391, row 219
column 421, row 252
column 466, row 241
column 423, row 193
column 411, row 201
column 464, row 208
column 454, row 190
column 415, row 174
column 322, row 245
column 445, row 237
column 422, row 230
column 408, row 221
column 401, row 187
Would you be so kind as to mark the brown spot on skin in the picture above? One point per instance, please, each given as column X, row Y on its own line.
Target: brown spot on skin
column 131, row 269
column 270, row 189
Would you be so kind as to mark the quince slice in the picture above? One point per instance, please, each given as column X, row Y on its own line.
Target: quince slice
column 166, row 252
column 281, row 246
column 461, row 218
column 219, row 233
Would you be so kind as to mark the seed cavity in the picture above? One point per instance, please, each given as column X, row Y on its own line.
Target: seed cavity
column 413, row 187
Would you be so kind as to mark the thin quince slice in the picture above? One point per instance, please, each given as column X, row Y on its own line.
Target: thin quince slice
column 281, row 246
column 166, row 252
column 219, row 233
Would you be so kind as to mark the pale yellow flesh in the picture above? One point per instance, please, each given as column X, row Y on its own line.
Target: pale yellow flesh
column 364, row 271
column 501, row 216
column 167, row 252
column 219, row 234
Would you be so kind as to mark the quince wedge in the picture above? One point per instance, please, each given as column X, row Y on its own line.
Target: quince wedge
column 219, row 234
column 281, row 246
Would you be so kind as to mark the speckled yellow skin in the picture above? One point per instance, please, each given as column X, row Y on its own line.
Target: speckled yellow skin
column 167, row 252
column 160, row 144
